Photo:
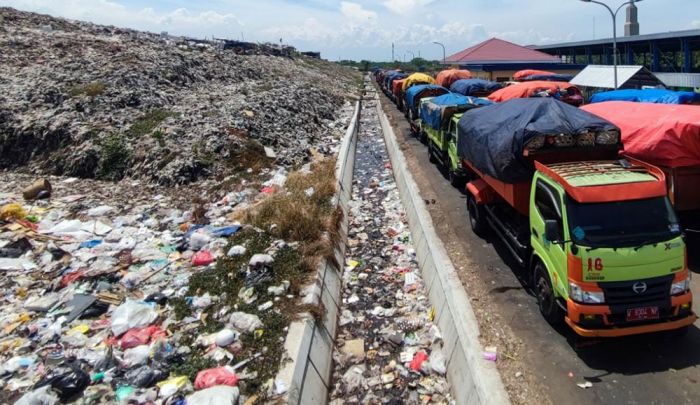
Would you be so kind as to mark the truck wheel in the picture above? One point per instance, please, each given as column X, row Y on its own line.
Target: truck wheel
column 477, row 216
column 456, row 180
column 546, row 299
column 423, row 137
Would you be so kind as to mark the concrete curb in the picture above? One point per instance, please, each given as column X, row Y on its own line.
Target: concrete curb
column 473, row 380
column 309, row 344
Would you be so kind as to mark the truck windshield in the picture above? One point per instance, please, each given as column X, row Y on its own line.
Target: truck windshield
column 623, row 223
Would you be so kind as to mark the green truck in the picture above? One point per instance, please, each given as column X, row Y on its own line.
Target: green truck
column 439, row 117
column 596, row 234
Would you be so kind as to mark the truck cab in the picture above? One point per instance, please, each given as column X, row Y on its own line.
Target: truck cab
column 594, row 262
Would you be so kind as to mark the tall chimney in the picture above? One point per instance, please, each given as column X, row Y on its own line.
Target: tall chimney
column 632, row 24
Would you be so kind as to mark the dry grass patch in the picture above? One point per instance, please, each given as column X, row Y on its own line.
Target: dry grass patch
column 302, row 211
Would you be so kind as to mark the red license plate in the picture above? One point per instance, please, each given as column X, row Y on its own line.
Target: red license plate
column 642, row 314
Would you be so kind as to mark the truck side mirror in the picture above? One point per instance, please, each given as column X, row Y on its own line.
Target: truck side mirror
column 551, row 231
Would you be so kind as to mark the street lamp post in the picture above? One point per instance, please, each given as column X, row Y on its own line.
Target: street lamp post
column 443, row 50
column 613, row 14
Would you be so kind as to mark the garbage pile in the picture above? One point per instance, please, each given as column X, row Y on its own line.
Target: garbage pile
column 91, row 101
column 389, row 349
column 130, row 292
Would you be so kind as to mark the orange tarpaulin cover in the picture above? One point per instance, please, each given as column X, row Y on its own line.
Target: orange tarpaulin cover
column 527, row 89
column 521, row 74
column 662, row 134
column 447, row 77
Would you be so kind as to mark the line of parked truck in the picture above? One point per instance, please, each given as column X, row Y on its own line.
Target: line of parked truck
column 594, row 201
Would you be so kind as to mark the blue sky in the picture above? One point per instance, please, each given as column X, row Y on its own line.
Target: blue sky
column 364, row 29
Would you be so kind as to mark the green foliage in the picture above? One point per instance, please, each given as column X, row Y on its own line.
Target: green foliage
column 194, row 363
column 159, row 136
column 414, row 65
column 114, row 157
column 149, row 121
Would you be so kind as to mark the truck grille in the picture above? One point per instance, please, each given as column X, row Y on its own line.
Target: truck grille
column 623, row 292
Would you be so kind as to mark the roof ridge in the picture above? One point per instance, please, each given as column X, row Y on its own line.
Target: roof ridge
column 479, row 45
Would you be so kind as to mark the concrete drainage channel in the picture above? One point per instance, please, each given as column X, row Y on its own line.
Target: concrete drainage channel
column 473, row 380
column 392, row 344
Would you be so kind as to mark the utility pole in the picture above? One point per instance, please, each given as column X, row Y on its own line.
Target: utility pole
column 613, row 14
column 443, row 50
column 392, row 53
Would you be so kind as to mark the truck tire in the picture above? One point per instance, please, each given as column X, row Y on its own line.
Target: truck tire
column 546, row 299
column 477, row 216
column 456, row 180
column 431, row 154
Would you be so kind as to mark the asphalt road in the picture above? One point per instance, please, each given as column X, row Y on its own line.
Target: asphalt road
column 647, row 369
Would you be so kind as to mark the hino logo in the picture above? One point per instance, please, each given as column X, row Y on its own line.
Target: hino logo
column 639, row 287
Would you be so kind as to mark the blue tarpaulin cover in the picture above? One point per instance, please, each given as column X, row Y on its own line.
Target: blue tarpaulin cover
column 493, row 138
column 658, row 96
column 394, row 76
column 549, row 78
column 468, row 87
column 433, row 112
column 414, row 92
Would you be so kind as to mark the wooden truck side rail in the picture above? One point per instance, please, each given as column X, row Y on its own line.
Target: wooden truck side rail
column 517, row 194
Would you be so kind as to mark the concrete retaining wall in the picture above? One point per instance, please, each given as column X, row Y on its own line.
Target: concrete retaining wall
column 472, row 379
column 309, row 344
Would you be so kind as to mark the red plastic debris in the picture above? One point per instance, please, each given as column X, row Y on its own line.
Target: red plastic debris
column 418, row 359
column 202, row 258
column 267, row 190
column 140, row 336
column 215, row 376
column 71, row 277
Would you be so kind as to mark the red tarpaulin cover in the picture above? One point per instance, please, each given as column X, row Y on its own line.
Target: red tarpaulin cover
column 527, row 89
column 521, row 74
column 447, row 77
column 396, row 87
column 662, row 134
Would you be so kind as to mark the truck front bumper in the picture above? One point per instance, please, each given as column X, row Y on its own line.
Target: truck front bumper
column 633, row 330
column 594, row 320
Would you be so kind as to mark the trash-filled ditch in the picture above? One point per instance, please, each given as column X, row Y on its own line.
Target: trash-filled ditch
column 388, row 349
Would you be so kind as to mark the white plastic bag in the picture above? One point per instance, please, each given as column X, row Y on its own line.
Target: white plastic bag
column 243, row 322
column 132, row 314
column 40, row 396
column 437, row 361
column 198, row 240
column 136, row 356
column 216, row 395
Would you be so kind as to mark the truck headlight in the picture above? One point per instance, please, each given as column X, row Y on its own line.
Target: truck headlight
column 680, row 287
column 561, row 140
column 536, row 142
column 586, row 139
column 578, row 294
column 607, row 138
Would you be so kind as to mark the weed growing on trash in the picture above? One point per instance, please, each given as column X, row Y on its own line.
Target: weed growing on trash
column 114, row 157
column 149, row 121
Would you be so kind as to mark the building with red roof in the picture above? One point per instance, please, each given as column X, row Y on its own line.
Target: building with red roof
column 497, row 60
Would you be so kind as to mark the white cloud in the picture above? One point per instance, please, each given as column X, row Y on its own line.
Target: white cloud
column 181, row 20
column 404, row 6
column 355, row 12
